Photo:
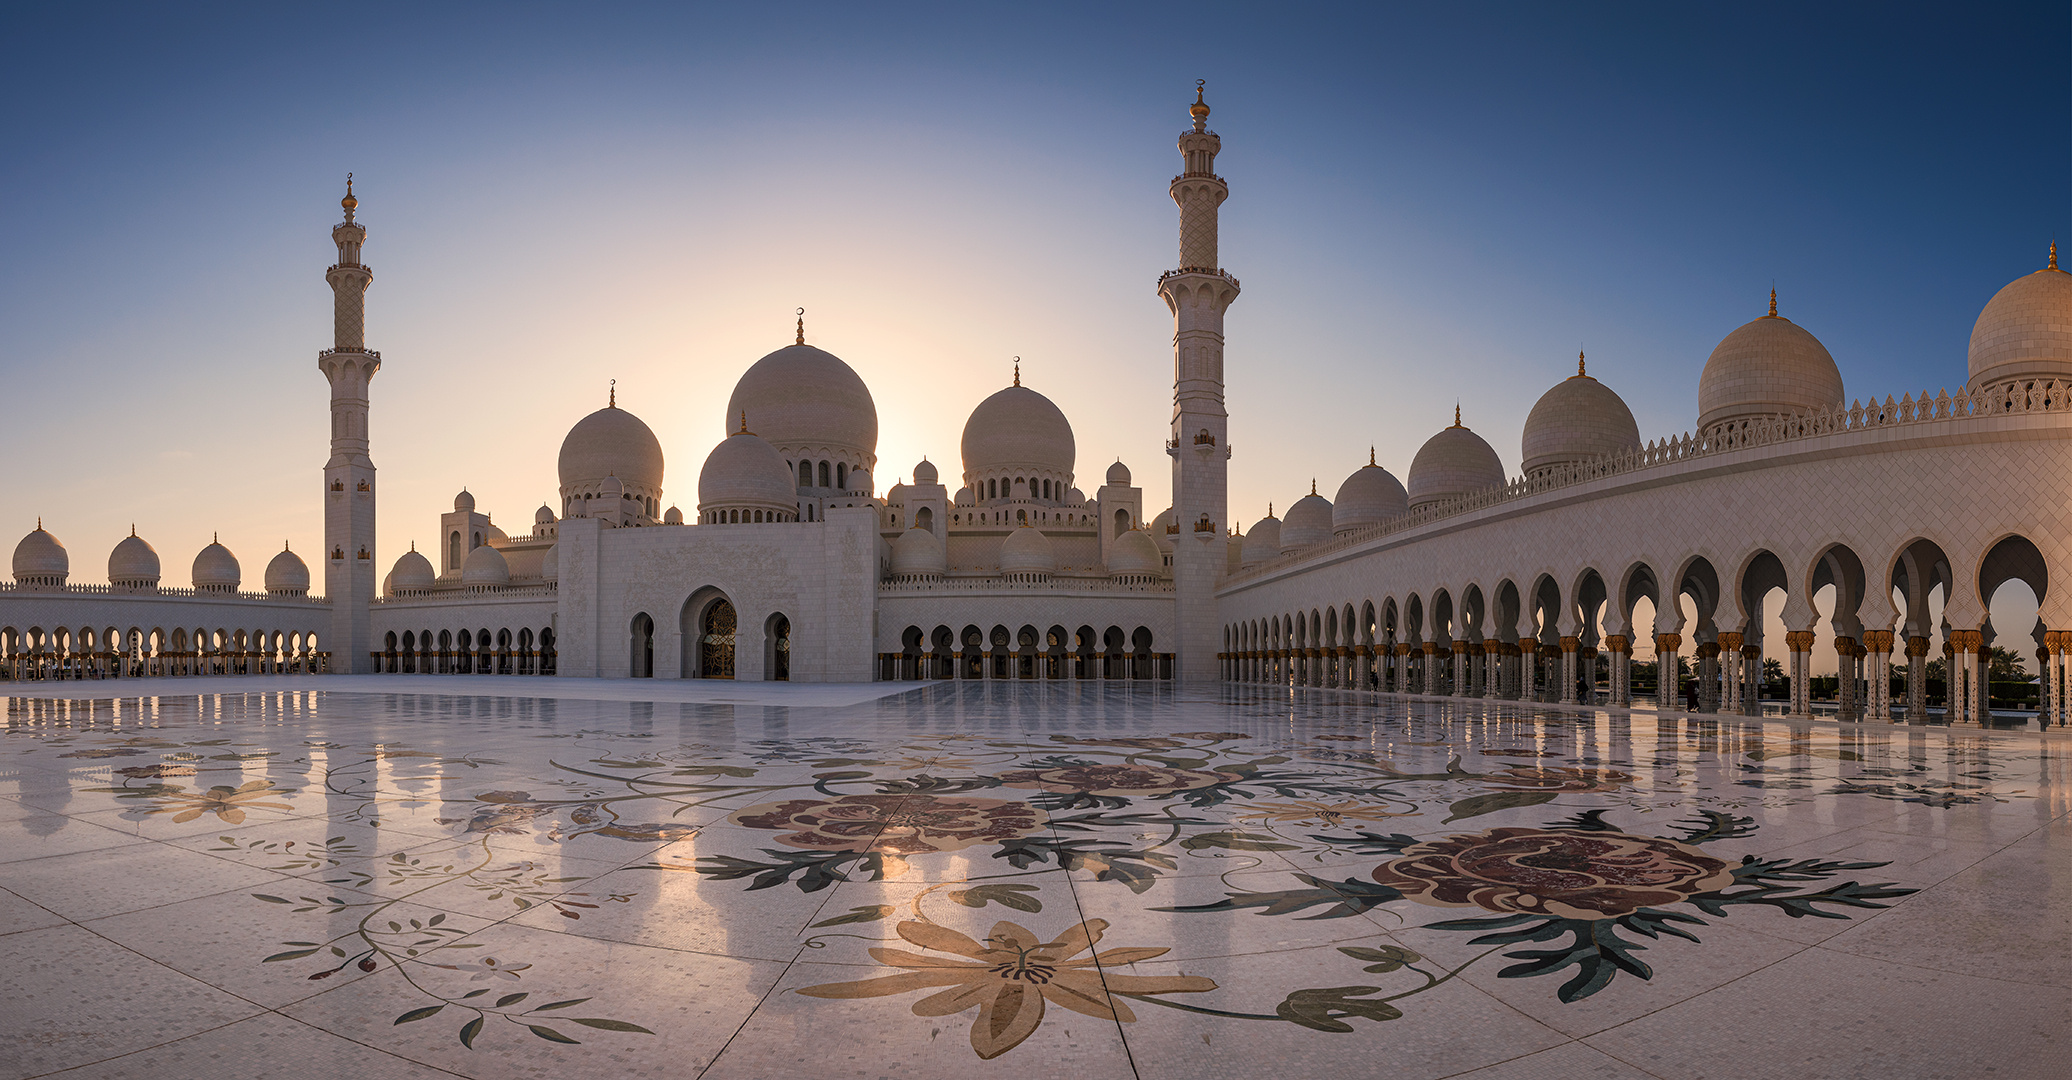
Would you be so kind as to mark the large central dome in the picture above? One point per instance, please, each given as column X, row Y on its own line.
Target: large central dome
column 801, row 398
column 1018, row 428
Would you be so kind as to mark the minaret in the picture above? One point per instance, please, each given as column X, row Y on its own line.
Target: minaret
column 349, row 476
column 1198, row 292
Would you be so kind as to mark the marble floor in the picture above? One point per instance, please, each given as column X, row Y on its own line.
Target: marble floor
column 499, row 878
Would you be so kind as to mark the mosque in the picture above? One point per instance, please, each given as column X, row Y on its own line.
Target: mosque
column 1458, row 581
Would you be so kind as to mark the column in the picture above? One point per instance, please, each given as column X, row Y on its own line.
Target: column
column 1460, row 668
column 1492, row 670
column 1621, row 649
column 1917, row 679
column 1708, row 676
column 1731, row 681
column 1667, row 671
column 1877, row 676
column 1800, row 642
column 1529, row 685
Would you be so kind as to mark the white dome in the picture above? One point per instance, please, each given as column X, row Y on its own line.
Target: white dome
column 413, row 572
column 1766, row 367
column 2025, row 331
column 1134, row 555
column 918, row 552
column 896, row 495
column 216, row 569
column 1370, row 496
column 859, row 482
column 610, row 442
column 1308, row 522
column 1018, row 428
column 287, row 573
column 1159, row 535
column 925, row 473
column 465, row 503
column 543, row 516
column 40, row 558
column 550, row 563
column 672, row 517
column 1579, row 420
column 746, row 472
column 1027, row 551
column 485, row 566
column 132, row 563
column 1452, row 463
column 1263, row 540
column 1119, row 474
column 492, row 534
column 800, row 396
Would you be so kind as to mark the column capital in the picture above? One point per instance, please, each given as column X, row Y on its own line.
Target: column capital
column 1731, row 640
column 1668, row 643
column 1917, row 645
column 1878, row 641
column 1569, row 643
column 1967, row 640
column 1799, row 640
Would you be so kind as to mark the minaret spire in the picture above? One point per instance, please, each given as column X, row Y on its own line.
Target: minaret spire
column 349, row 365
column 1198, row 293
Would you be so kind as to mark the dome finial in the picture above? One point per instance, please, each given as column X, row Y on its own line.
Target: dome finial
column 1370, row 455
column 1456, row 414
column 1200, row 109
column 744, row 423
column 1269, row 509
column 349, row 203
column 1018, row 376
column 614, row 402
column 1579, row 363
column 215, row 538
column 284, row 545
column 802, row 328
column 133, row 526
column 2053, row 257
column 1773, row 302
column 1312, row 485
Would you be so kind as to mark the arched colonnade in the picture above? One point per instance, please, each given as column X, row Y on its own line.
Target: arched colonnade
column 87, row 652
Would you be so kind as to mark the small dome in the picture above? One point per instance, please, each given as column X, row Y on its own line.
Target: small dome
column 132, row 563
column 413, row 573
column 964, row 496
column 673, row 517
column 39, row 558
column 550, row 563
column 1119, row 474
column 1134, row 555
column 859, row 482
column 611, row 442
column 1159, row 535
column 800, row 396
column 918, row 552
column 1075, row 497
column 1027, row 551
column 1766, row 367
column 1370, row 496
column 745, row 472
column 463, row 503
column 485, row 566
column 613, row 487
column 493, row 535
column 896, row 495
column 543, row 516
column 1450, row 464
column 1579, row 420
column 1308, row 522
column 925, row 473
column 1017, row 428
column 287, row 573
column 2025, row 331
column 1263, row 540
column 216, row 569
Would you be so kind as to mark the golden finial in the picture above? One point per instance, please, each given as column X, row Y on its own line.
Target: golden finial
column 215, row 538
column 39, row 523
column 744, row 423
column 413, row 545
column 2053, row 257
column 284, row 545
column 1018, row 376
column 614, row 402
column 1199, row 109
column 133, row 526
column 349, row 202
column 1773, row 302
column 1579, row 363
column 802, row 328
column 1370, row 457
column 1456, row 414
column 1269, row 509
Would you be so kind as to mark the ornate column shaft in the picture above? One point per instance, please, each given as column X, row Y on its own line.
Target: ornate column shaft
column 1667, row 672
column 1800, row 642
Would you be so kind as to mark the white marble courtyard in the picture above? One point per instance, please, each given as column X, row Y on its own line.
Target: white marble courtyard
column 560, row 878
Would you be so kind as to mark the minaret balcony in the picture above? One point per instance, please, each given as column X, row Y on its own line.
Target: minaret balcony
column 370, row 353
column 1201, row 271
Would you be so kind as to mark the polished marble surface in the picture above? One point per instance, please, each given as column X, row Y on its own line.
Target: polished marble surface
column 508, row 878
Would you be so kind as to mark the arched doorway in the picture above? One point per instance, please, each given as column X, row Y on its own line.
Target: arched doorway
column 641, row 664
column 778, row 641
column 716, row 642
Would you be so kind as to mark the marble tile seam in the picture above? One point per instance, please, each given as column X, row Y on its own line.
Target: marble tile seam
column 1578, row 1041
column 1129, row 1054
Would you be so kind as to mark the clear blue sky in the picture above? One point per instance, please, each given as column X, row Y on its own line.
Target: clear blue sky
column 1429, row 203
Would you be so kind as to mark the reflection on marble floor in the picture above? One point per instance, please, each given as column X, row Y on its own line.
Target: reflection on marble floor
column 1030, row 880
